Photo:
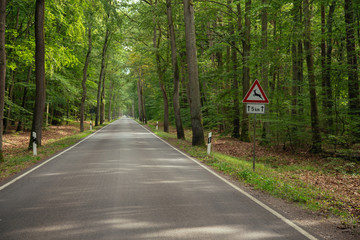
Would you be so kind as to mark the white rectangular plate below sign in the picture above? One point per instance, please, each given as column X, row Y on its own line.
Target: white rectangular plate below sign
column 255, row 108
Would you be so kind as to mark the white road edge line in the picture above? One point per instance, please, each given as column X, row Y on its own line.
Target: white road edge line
column 52, row 158
column 284, row 219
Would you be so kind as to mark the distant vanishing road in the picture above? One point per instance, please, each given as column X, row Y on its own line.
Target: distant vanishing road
column 125, row 183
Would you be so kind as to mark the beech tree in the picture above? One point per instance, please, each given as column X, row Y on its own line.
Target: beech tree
column 192, row 66
column 176, row 74
column 40, row 97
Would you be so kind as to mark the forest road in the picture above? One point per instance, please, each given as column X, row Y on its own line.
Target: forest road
column 125, row 183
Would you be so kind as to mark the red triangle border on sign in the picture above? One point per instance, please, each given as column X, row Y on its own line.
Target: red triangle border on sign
column 246, row 100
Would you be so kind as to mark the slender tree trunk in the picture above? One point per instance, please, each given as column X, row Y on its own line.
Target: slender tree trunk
column 139, row 99
column 161, row 71
column 353, row 81
column 2, row 70
column 264, row 63
column 176, row 76
column 328, row 101
column 194, row 88
column 110, row 100
column 102, row 100
column 10, row 97
column 300, row 77
column 141, row 104
column 316, row 138
column 83, row 83
column 235, row 83
column 246, row 71
column 39, row 72
column 102, row 72
column 20, row 127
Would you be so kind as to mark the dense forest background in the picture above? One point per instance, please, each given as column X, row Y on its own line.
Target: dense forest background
column 104, row 58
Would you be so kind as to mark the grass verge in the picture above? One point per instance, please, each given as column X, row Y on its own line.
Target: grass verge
column 277, row 181
column 24, row 159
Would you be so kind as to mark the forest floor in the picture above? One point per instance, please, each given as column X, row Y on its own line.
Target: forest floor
column 336, row 177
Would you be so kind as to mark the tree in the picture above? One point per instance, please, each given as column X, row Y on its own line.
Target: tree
column 316, row 138
column 101, row 77
column 246, row 70
column 2, row 70
column 40, row 97
column 83, row 83
column 194, row 88
column 352, row 68
column 175, row 68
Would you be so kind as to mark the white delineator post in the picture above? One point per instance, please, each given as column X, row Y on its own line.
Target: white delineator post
column 34, row 144
column 157, row 125
column 209, row 143
column 90, row 125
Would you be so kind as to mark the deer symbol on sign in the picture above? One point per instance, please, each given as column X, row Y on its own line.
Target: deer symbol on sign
column 257, row 95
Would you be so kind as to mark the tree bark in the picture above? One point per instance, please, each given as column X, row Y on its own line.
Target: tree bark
column 2, row 70
column 176, row 103
column 264, row 63
column 110, row 100
column 235, row 83
column 316, row 138
column 141, row 104
column 20, row 123
column 102, row 72
column 161, row 70
column 102, row 100
column 328, row 101
column 353, row 81
column 39, row 73
column 246, row 71
column 194, row 88
column 83, row 83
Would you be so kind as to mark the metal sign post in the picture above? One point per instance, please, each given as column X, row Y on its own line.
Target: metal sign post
column 255, row 99
column 254, row 155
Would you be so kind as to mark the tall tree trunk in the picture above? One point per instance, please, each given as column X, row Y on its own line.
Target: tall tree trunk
column 2, row 70
column 194, row 88
column 316, row 138
column 161, row 71
column 176, row 103
column 353, row 81
column 83, row 83
column 141, row 104
column 102, row 72
column 102, row 100
column 300, row 77
column 264, row 62
column 110, row 100
column 246, row 71
column 20, row 123
column 235, row 83
column 39, row 73
column 10, row 97
column 328, row 100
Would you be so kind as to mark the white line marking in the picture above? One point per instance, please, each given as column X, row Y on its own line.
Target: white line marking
column 45, row 162
column 284, row 219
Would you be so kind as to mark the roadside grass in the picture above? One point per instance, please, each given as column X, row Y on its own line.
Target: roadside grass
column 278, row 180
column 24, row 159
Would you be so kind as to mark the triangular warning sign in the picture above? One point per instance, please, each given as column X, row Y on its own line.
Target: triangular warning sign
column 255, row 94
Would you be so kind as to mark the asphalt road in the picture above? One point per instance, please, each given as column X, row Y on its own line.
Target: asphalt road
column 125, row 183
